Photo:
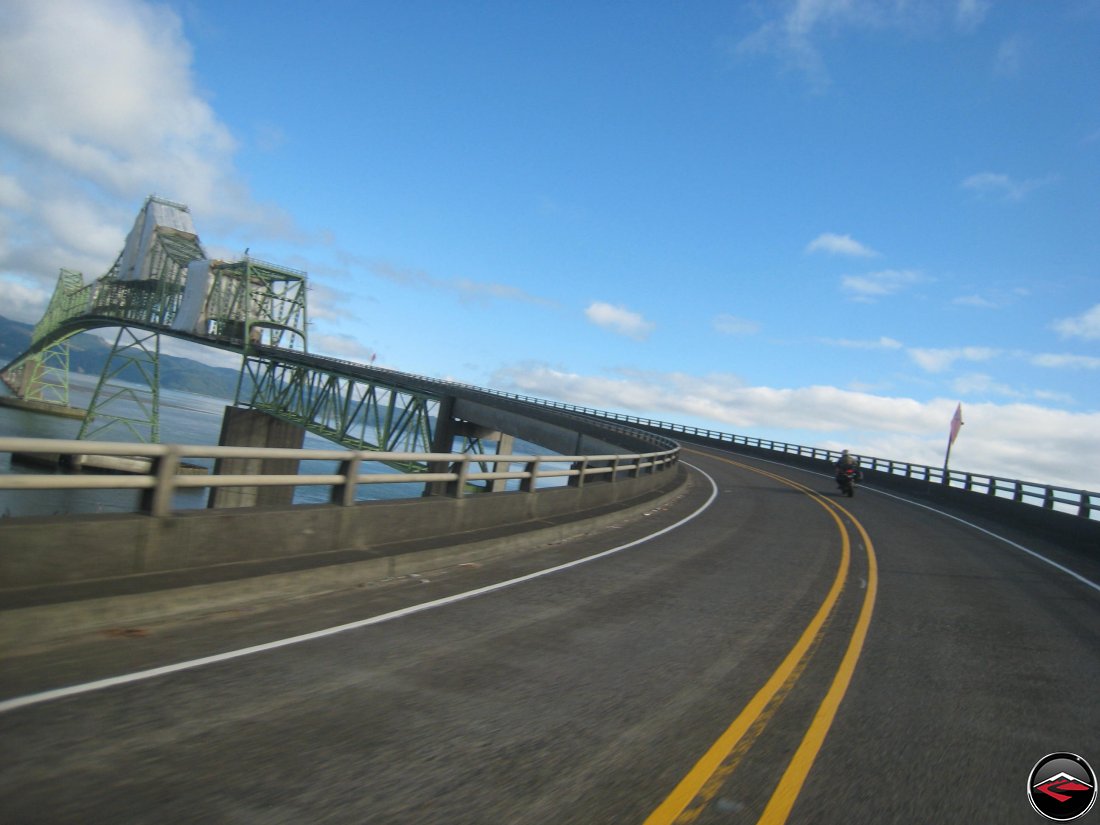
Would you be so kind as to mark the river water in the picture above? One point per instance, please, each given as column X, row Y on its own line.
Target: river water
column 185, row 418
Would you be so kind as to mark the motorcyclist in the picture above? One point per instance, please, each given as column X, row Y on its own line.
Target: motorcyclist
column 846, row 462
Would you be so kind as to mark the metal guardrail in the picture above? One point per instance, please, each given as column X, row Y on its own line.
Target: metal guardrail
column 163, row 478
column 1082, row 503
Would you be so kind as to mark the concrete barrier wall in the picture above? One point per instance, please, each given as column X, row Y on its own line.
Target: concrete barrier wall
column 80, row 548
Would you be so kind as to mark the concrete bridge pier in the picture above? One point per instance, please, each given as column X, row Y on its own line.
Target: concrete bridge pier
column 252, row 428
column 505, row 444
column 28, row 383
column 41, row 383
column 447, row 429
column 20, row 379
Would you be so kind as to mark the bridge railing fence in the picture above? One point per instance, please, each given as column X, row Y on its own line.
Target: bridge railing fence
column 163, row 479
column 1082, row 503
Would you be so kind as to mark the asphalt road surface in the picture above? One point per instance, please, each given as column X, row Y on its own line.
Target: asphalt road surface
column 759, row 650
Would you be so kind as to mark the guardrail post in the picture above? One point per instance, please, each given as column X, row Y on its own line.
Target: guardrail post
column 1084, row 510
column 582, row 468
column 157, row 501
column 1048, row 498
column 344, row 494
column 462, row 470
column 529, row 484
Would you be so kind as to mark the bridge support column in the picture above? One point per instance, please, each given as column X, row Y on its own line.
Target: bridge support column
column 19, row 379
column 447, row 430
column 44, row 377
column 252, row 428
column 442, row 442
column 471, row 432
column 505, row 446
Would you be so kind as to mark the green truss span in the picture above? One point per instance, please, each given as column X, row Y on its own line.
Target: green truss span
column 162, row 283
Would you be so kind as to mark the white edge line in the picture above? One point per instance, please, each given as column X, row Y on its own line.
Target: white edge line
column 140, row 675
column 990, row 533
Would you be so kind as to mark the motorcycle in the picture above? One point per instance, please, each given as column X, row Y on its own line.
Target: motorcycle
column 846, row 480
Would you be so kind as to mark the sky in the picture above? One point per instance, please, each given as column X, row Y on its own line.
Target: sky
column 825, row 222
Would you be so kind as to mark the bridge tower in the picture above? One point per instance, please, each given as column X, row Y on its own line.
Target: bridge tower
column 145, row 286
column 163, row 282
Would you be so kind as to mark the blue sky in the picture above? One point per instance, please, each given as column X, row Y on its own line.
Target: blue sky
column 823, row 221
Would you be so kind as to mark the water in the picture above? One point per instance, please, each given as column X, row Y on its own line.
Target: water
column 185, row 418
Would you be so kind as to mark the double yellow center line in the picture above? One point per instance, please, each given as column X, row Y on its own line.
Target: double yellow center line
column 702, row 782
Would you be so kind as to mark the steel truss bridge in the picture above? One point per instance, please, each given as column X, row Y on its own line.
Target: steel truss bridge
column 163, row 283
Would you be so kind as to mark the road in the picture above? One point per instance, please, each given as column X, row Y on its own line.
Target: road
column 759, row 650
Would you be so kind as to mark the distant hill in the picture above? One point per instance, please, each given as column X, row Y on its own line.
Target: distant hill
column 88, row 353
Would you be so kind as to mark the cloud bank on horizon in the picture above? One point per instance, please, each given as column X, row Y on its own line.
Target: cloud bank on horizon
column 722, row 218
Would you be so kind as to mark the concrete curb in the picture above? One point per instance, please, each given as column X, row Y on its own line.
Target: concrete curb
column 22, row 629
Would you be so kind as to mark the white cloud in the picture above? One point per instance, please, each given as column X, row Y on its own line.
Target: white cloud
column 1009, row 57
column 1086, row 325
column 329, row 304
column 1002, row 186
column 100, row 110
column 881, row 343
column 185, row 349
column 993, row 298
column 970, row 13
column 482, row 292
column 974, row 301
column 126, row 119
column 940, row 360
column 342, row 346
column 840, row 245
column 981, row 384
column 722, row 398
column 22, row 301
column 1086, row 362
column 793, row 34
column 732, row 325
column 998, row 439
column 1054, row 397
column 879, row 284
column 619, row 319
column 12, row 194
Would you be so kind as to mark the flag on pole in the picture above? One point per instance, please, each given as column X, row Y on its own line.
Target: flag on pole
column 956, row 424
